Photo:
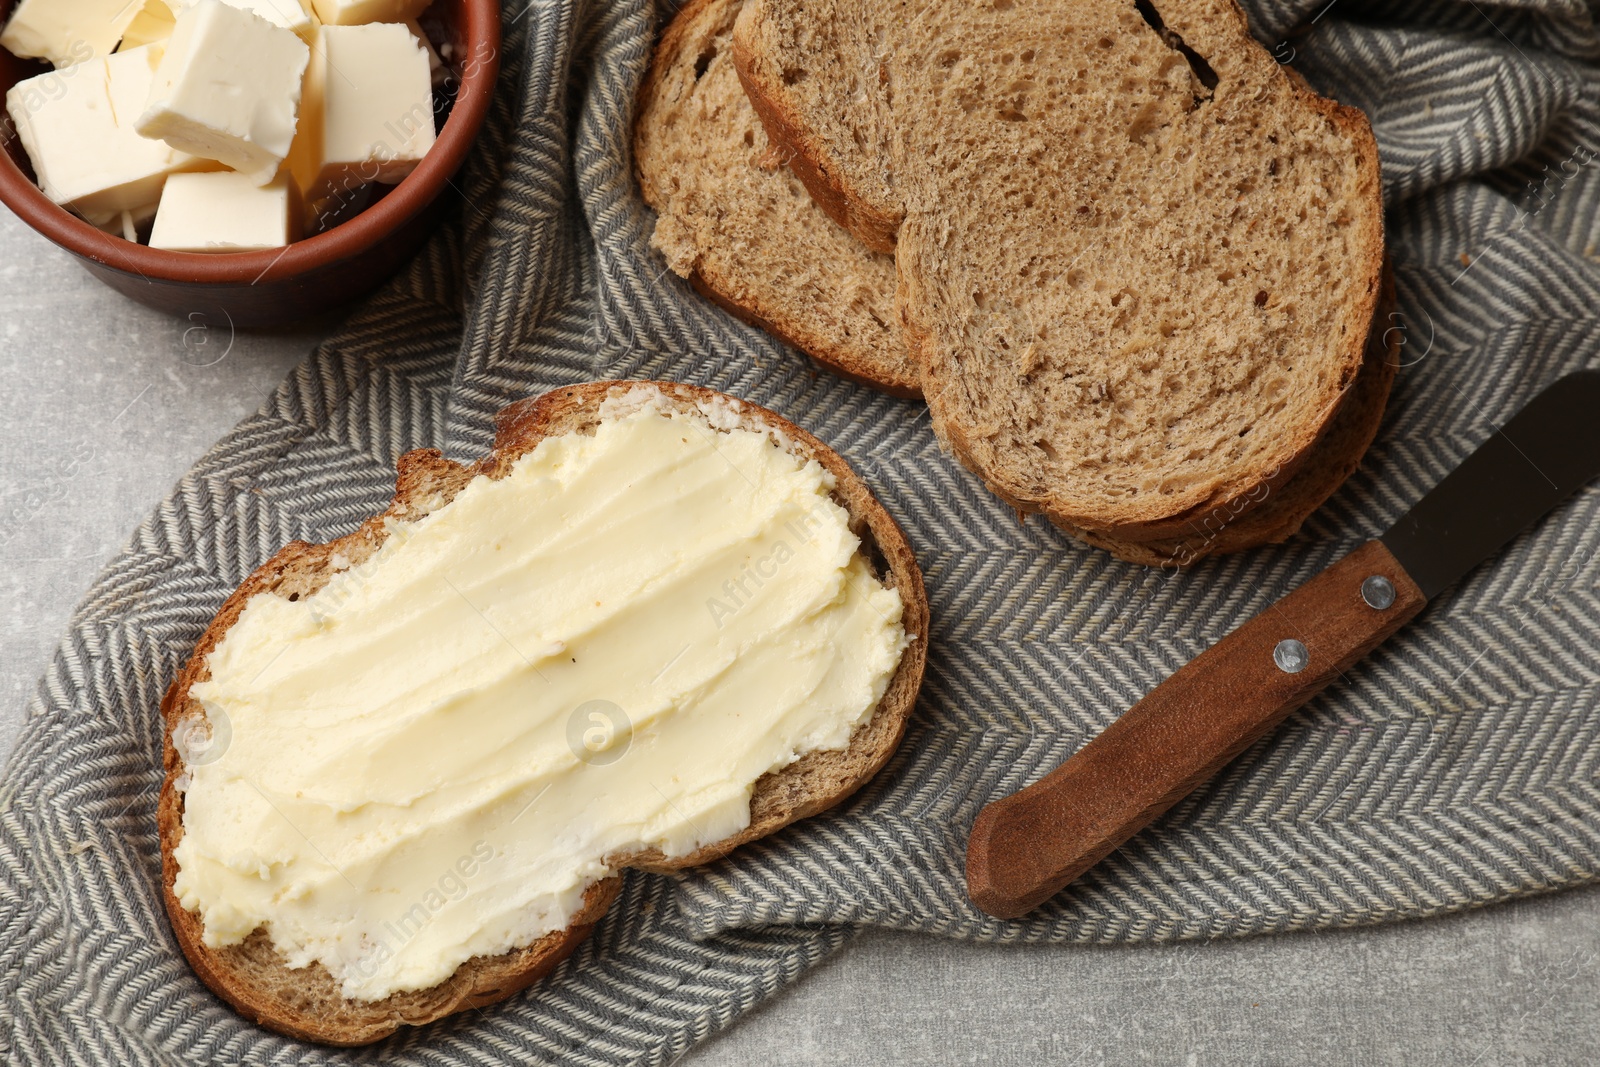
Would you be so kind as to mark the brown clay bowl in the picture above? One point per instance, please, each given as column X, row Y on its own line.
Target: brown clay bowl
column 308, row 277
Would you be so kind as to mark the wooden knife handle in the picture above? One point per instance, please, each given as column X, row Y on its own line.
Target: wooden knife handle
column 1025, row 847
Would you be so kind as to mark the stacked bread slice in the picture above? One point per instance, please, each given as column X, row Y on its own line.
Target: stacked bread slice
column 1134, row 265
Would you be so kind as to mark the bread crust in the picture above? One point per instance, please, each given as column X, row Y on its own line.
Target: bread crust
column 306, row 1003
column 1162, row 519
column 681, row 46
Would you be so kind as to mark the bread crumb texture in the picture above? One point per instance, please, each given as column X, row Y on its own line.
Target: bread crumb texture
column 1138, row 262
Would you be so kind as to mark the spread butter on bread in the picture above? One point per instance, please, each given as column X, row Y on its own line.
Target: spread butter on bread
column 404, row 768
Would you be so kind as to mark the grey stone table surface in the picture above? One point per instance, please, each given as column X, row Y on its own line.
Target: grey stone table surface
column 125, row 399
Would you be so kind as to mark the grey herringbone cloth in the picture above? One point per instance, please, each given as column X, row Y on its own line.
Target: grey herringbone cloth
column 1454, row 767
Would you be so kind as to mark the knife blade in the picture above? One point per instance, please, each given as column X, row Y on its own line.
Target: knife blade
column 1535, row 461
column 1024, row 848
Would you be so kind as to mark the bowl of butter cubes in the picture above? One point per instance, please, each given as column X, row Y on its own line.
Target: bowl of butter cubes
column 266, row 160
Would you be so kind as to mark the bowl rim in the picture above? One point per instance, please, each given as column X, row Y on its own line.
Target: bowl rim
column 480, row 32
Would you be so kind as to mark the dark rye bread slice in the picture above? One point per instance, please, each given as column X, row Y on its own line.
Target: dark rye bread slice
column 682, row 111
column 734, row 221
column 1138, row 260
column 306, row 1003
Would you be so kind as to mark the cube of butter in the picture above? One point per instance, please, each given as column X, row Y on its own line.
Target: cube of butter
column 437, row 71
column 152, row 25
column 225, row 211
column 228, row 89
column 66, row 32
column 293, row 15
column 77, row 129
column 361, row 12
column 368, row 113
column 155, row 20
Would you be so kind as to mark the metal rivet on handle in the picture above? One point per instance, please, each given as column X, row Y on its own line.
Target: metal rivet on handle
column 1378, row 592
column 1291, row 656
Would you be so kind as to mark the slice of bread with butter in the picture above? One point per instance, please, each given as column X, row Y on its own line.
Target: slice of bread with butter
column 404, row 769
